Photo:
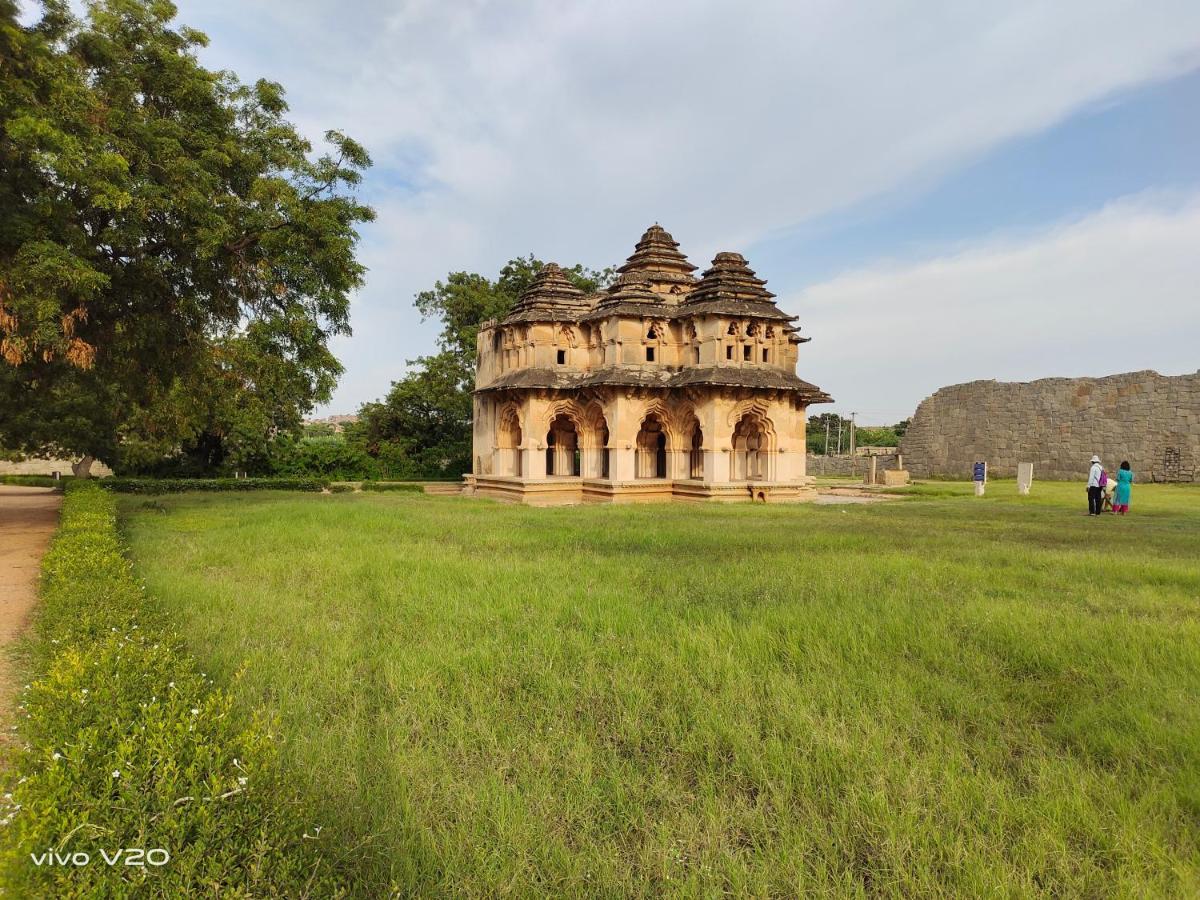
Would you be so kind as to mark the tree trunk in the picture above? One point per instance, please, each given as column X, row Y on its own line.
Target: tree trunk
column 83, row 468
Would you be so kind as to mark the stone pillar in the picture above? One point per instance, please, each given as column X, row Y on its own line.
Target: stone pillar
column 534, row 459
column 677, row 464
column 717, row 435
column 623, row 462
column 872, row 475
column 564, row 460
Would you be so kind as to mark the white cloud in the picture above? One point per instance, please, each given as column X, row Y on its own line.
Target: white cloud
column 566, row 128
column 1116, row 291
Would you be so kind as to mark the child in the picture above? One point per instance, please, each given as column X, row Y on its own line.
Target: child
column 1124, row 487
column 1107, row 486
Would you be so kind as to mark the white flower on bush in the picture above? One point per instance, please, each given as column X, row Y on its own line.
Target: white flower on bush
column 242, row 780
column 116, row 773
column 195, row 711
column 56, row 756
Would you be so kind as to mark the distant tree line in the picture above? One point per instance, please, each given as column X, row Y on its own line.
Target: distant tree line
column 884, row 436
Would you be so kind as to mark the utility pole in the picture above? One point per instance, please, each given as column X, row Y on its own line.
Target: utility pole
column 852, row 441
column 826, row 436
column 839, row 453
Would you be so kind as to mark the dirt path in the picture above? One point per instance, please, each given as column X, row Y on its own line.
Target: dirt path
column 28, row 516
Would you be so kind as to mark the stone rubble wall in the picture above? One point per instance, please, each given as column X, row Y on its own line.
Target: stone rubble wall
column 48, row 467
column 849, row 466
column 1151, row 420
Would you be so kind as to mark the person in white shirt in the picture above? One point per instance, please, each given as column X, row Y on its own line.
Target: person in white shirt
column 1094, row 491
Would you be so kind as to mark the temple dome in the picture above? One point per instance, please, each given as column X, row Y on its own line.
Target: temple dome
column 656, row 260
column 730, row 287
column 549, row 297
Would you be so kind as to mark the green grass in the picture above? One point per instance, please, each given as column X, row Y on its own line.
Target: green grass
column 941, row 695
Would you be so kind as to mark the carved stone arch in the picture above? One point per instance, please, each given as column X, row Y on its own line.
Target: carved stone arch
column 569, row 408
column 666, row 415
column 654, row 440
column 753, row 406
column 596, row 436
column 508, row 417
column 753, row 441
column 593, row 416
column 683, row 415
column 510, row 438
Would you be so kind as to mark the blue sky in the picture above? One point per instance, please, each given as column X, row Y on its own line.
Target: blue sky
column 941, row 191
column 1143, row 139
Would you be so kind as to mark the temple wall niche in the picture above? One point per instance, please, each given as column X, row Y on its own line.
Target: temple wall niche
column 1151, row 420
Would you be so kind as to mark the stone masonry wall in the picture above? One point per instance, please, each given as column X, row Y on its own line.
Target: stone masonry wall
column 847, row 466
column 1057, row 424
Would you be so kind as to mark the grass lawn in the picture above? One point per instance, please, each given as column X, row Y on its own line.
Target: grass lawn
column 936, row 695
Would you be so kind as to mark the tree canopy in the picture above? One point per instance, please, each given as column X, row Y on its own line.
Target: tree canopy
column 173, row 255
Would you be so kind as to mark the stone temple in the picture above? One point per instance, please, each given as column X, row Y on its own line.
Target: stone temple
column 664, row 386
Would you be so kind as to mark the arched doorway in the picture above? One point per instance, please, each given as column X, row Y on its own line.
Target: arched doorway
column 562, row 447
column 604, row 452
column 593, row 442
column 751, row 449
column 508, row 444
column 652, row 448
column 696, row 454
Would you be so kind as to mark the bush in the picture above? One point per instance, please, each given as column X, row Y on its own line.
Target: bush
column 393, row 486
column 127, row 745
column 328, row 457
column 178, row 485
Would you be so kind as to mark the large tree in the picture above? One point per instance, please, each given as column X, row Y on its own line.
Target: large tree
column 166, row 235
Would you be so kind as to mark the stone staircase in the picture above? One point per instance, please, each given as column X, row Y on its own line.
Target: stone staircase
column 443, row 488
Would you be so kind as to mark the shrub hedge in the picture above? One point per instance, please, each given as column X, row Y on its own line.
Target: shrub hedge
column 176, row 485
column 415, row 487
column 123, row 743
column 34, row 480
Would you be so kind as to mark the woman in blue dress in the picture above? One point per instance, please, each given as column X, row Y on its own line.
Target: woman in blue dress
column 1124, row 487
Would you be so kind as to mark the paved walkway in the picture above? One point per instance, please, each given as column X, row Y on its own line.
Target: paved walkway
column 28, row 516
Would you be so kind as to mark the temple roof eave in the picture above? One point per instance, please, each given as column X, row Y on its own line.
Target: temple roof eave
column 714, row 376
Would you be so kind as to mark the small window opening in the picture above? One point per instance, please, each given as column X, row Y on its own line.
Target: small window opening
column 697, row 356
column 766, row 354
column 729, row 352
column 649, row 354
column 562, row 357
column 746, row 352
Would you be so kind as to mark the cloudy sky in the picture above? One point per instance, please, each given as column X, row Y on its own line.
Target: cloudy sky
column 941, row 191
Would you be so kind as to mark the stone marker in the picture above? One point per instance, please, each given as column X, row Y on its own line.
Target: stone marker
column 1024, row 478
